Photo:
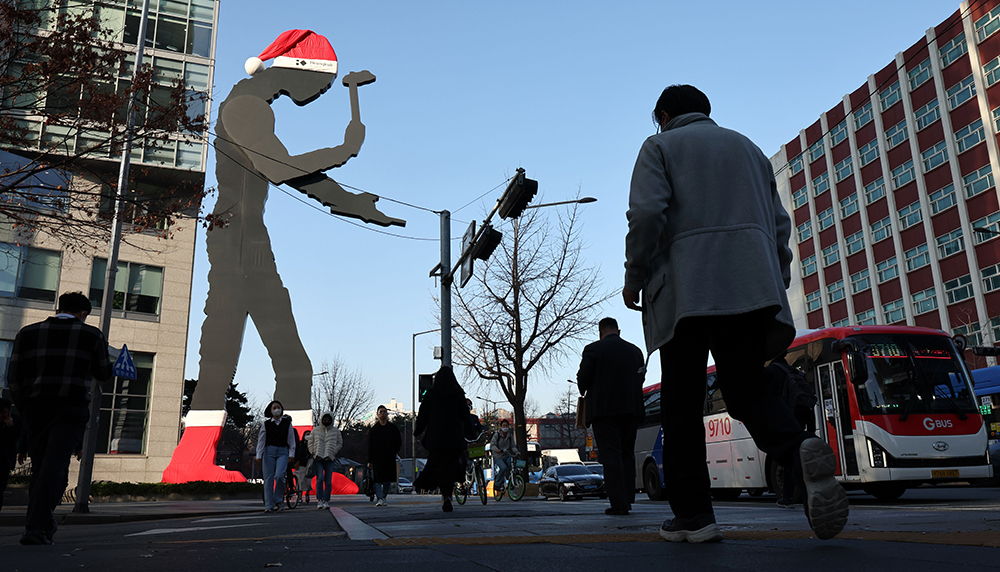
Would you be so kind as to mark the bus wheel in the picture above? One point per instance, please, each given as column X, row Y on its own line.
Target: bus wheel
column 756, row 492
column 885, row 492
column 776, row 474
column 651, row 480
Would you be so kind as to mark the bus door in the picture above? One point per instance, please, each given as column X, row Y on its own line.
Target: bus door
column 835, row 422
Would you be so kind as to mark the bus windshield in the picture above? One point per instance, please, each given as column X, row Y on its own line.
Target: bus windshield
column 913, row 374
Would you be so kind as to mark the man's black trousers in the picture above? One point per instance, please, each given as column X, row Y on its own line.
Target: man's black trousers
column 615, row 436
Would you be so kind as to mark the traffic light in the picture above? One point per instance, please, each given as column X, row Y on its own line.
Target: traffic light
column 424, row 382
column 519, row 193
column 487, row 243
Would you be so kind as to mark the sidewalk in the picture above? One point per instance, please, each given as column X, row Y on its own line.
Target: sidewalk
column 110, row 512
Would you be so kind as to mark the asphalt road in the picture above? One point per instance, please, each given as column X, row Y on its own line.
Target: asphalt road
column 928, row 529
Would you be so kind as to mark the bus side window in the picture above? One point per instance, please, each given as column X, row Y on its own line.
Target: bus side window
column 713, row 401
column 652, row 406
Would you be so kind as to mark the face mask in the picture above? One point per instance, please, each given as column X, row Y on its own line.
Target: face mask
column 505, row 429
column 276, row 411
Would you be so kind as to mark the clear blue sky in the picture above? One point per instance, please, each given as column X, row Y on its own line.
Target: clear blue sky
column 467, row 92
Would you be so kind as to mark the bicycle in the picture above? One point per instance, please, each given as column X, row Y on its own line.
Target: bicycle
column 513, row 484
column 291, row 490
column 474, row 477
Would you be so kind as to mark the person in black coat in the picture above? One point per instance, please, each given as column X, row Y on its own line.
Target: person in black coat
column 383, row 444
column 444, row 421
column 611, row 375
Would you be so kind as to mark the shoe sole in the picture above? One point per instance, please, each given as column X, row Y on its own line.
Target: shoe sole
column 710, row 533
column 826, row 502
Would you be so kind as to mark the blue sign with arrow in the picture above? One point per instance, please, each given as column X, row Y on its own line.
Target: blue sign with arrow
column 123, row 365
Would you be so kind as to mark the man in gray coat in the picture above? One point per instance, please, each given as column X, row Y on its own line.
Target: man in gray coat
column 707, row 248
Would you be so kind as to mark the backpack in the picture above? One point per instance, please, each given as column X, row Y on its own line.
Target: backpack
column 793, row 385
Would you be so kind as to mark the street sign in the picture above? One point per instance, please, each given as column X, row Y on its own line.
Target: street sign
column 123, row 365
column 466, row 269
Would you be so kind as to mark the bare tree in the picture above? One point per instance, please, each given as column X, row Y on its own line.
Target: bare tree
column 65, row 83
column 344, row 391
column 526, row 306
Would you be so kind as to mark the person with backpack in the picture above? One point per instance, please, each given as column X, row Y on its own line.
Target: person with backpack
column 800, row 395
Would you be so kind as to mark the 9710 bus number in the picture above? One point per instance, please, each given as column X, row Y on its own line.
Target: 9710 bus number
column 720, row 427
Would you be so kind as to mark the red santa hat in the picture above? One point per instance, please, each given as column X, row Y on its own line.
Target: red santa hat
column 299, row 49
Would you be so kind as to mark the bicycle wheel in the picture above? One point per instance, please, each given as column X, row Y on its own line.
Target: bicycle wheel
column 498, row 489
column 481, row 485
column 461, row 492
column 517, row 487
column 291, row 496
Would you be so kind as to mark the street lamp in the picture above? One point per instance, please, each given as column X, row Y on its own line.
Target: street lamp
column 580, row 201
column 413, row 432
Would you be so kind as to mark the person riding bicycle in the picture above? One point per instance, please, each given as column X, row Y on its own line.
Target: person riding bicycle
column 503, row 450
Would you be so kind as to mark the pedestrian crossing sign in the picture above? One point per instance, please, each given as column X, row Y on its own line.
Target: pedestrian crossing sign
column 123, row 365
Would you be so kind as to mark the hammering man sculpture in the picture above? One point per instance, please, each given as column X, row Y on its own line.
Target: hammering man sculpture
column 243, row 279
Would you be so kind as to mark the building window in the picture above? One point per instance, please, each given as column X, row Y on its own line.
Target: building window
column 995, row 328
column 961, row 92
column 890, row 95
column 815, row 150
column 902, row 174
column 894, row 311
column 894, row 135
column 927, row 114
column 860, row 281
column 29, row 273
column 942, row 199
column 921, row 73
column 924, row 302
column 996, row 118
column 5, row 348
column 991, row 278
column 138, row 287
column 987, row 25
column 953, row 50
column 950, row 243
column 868, row 152
column 866, row 318
column 844, row 169
column 841, row 323
column 835, row 291
column 809, row 265
column 796, row 164
column 971, row 135
column 991, row 71
column 854, row 243
column 831, row 254
column 814, row 301
column 849, row 205
column 958, row 289
column 800, row 197
column 838, row 133
column 125, row 410
column 971, row 332
column 917, row 257
column 887, row 270
column 805, row 231
column 863, row 115
column 935, row 156
column 874, row 190
column 909, row 215
column 881, row 230
column 978, row 181
column 825, row 219
column 991, row 222
column 821, row 184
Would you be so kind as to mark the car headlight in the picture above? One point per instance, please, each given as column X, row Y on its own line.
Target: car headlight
column 569, row 485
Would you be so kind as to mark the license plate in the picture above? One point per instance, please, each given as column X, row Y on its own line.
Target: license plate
column 937, row 474
column 588, row 487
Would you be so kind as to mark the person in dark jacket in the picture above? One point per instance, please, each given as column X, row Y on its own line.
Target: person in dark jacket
column 51, row 367
column 384, row 443
column 611, row 375
column 8, row 445
column 444, row 421
column 302, row 457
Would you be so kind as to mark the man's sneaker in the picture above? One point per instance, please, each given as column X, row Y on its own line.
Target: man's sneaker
column 701, row 528
column 783, row 503
column 825, row 500
column 35, row 538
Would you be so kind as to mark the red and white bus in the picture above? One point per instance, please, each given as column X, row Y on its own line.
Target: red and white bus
column 895, row 403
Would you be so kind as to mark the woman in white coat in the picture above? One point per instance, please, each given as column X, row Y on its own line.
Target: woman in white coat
column 324, row 444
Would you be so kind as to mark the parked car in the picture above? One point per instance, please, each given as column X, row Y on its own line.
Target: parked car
column 596, row 468
column 403, row 487
column 571, row 481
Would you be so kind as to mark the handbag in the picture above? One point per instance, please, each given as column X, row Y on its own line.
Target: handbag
column 311, row 468
column 581, row 412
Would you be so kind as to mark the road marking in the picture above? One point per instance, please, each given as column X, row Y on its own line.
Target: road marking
column 191, row 529
column 259, row 538
column 354, row 527
column 227, row 519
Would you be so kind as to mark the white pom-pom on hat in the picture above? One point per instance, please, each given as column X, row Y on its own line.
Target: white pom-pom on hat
column 254, row 66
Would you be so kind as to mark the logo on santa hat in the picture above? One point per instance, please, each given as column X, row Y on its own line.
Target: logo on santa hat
column 299, row 49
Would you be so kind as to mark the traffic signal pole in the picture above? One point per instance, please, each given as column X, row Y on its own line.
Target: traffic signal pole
column 446, row 280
